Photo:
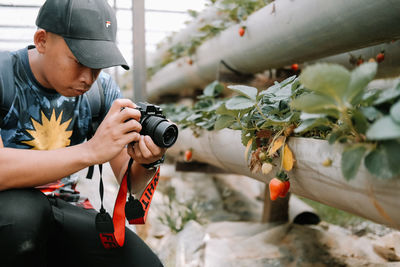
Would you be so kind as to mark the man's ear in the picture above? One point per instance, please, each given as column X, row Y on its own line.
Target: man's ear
column 40, row 39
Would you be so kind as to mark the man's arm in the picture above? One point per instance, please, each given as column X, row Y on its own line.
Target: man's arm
column 143, row 152
column 21, row 168
column 28, row 168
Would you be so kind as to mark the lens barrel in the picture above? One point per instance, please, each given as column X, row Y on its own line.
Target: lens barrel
column 163, row 133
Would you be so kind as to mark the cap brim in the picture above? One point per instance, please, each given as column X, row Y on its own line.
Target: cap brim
column 96, row 54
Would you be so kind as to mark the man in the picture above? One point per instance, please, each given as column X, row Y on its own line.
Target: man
column 42, row 141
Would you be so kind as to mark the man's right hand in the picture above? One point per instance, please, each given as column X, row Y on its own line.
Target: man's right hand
column 120, row 127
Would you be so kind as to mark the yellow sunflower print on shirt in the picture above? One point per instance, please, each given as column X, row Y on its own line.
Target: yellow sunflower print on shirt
column 50, row 134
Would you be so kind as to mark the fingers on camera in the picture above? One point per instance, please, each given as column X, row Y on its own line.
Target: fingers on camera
column 130, row 113
column 132, row 126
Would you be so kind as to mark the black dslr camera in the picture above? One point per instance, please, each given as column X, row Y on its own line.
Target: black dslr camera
column 154, row 124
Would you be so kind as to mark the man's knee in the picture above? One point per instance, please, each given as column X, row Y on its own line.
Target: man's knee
column 29, row 206
column 25, row 218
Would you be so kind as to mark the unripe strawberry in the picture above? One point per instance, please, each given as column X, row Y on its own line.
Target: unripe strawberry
column 327, row 162
column 262, row 156
column 266, row 168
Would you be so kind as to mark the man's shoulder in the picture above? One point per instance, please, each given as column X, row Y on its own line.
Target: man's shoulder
column 109, row 86
column 107, row 81
column 6, row 72
column 5, row 61
column 8, row 62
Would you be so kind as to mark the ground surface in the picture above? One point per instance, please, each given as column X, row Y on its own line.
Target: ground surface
column 199, row 219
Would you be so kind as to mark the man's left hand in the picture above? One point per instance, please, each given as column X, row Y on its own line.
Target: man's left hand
column 145, row 151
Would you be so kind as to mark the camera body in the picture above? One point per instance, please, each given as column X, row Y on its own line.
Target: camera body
column 147, row 109
column 154, row 124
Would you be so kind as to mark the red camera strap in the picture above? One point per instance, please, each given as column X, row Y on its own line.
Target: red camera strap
column 116, row 238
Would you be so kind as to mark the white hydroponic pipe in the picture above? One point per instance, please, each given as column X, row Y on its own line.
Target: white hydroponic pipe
column 282, row 33
column 369, row 197
column 389, row 68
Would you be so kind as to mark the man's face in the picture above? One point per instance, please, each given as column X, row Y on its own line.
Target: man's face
column 63, row 72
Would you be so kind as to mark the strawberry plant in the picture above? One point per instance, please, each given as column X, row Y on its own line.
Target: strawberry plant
column 203, row 113
column 337, row 99
column 326, row 101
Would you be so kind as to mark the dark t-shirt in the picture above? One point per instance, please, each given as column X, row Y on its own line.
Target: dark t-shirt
column 42, row 119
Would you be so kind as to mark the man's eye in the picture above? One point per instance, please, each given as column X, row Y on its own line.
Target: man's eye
column 76, row 61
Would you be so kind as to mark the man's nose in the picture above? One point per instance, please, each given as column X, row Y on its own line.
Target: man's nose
column 86, row 75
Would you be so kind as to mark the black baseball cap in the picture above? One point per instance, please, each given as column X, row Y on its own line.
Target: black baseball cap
column 89, row 27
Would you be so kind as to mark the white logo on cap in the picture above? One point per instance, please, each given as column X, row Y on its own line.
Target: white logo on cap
column 108, row 23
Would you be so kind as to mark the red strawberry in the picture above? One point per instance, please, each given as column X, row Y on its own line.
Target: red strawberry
column 241, row 31
column 380, row 57
column 285, row 191
column 276, row 187
column 295, row 67
column 188, row 155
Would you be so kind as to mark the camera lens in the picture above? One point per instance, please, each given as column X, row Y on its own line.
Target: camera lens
column 169, row 133
column 163, row 133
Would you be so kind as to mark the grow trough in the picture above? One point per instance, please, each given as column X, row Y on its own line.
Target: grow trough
column 281, row 34
column 366, row 196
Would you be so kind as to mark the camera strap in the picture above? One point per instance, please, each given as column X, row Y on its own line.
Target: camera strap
column 112, row 231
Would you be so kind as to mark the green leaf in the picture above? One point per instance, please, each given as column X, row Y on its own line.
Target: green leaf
column 277, row 121
column 370, row 113
column 339, row 134
column 239, row 103
column 306, row 116
column 213, row 89
column 272, row 89
column 395, row 112
column 288, row 80
column 334, row 136
column 194, row 117
column 224, row 121
column 351, row 160
column 383, row 162
column 360, row 122
column 222, row 110
column 316, row 103
column 370, row 96
column 328, row 79
column 388, row 94
column 359, row 79
column 310, row 124
column 246, row 136
column 383, row 129
column 247, row 91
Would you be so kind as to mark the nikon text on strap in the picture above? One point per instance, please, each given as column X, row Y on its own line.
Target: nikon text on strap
column 112, row 232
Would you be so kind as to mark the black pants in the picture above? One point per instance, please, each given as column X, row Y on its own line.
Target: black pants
column 37, row 231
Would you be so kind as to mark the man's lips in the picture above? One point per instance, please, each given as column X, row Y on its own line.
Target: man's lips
column 81, row 90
